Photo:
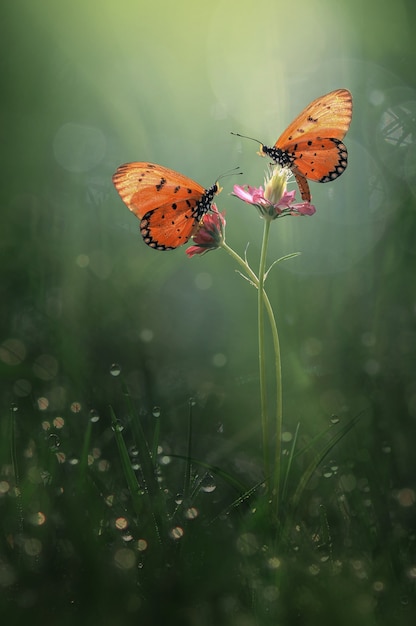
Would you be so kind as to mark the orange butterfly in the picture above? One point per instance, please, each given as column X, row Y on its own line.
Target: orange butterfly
column 170, row 206
column 311, row 146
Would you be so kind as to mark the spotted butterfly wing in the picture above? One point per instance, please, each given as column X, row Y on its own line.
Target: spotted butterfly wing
column 169, row 205
column 311, row 146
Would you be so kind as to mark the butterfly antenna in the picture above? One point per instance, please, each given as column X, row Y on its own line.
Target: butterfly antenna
column 246, row 137
column 232, row 172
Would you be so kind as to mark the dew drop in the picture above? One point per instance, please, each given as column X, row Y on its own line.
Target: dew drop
column 208, row 484
column 14, row 407
column 115, row 369
column 117, row 426
column 156, row 411
column 178, row 498
column 54, row 442
column 334, row 419
column 94, row 416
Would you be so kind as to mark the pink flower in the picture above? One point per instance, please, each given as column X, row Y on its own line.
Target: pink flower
column 274, row 201
column 210, row 234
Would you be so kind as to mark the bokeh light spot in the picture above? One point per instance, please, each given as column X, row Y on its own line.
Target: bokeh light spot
column 12, row 351
column 203, row 281
column 22, row 388
column 247, row 544
column 43, row 403
column 176, row 533
column 406, row 497
column 82, row 260
column 45, row 367
column 219, row 359
column 121, row 523
column 125, row 558
column 146, row 335
column 78, row 147
column 142, row 545
column 32, row 547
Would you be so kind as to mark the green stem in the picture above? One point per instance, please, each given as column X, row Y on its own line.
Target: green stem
column 275, row 478
column 262, row 358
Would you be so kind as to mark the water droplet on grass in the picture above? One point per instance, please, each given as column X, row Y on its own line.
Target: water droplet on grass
column 115, row 369
column 156, row 411
column 208, row 484
column 94, row 416
column 54, row 442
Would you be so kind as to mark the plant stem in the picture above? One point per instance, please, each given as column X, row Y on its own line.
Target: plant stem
column 276, row 475
column 262, row 358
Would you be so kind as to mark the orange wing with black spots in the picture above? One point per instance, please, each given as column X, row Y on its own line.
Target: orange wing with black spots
column 312, row 146
column 169, row 205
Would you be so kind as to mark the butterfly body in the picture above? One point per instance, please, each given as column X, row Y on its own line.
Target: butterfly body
column 169, row 205
column 311, row 147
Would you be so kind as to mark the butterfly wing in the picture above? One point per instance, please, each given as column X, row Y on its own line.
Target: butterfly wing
column 145, row 186
column 168, row 204
column 311, row 145
column 328, row 116
column 165, row 228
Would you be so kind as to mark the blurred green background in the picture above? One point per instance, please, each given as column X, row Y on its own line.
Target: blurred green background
column 89, row 85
